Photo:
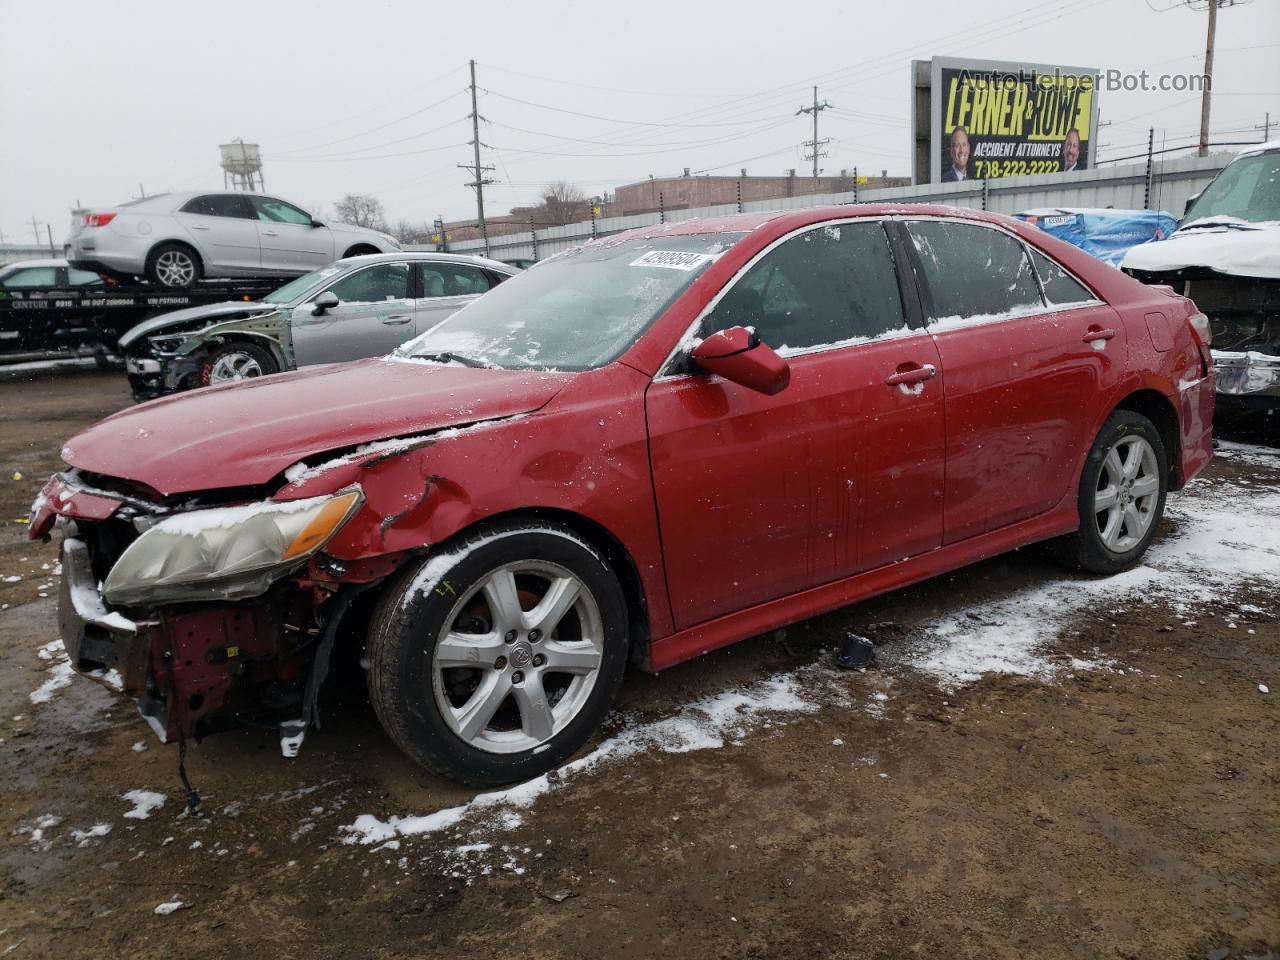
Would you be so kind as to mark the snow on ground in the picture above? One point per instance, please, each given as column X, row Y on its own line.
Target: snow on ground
column 145, row 803
column 1225, row 537
column 1222, row 537
column 59, row 675
column 703, row 725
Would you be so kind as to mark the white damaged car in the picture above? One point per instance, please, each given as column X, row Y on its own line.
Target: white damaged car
column 1225, row 255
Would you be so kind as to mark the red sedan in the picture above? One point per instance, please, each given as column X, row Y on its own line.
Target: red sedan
column 638, row 451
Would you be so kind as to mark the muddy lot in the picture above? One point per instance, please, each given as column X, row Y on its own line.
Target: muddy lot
column 1040, row 766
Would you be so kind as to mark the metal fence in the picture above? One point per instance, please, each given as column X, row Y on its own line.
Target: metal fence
column 1160, row 185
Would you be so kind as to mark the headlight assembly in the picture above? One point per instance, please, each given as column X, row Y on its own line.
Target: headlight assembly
column 225, row 552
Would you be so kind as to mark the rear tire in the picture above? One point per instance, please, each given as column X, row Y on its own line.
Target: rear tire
column 495, row 659
column 174, row 265
column 1121, row 498
column 236, row 361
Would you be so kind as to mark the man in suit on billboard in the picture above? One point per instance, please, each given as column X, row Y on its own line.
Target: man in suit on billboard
column 959, row 155
column 1071, row 152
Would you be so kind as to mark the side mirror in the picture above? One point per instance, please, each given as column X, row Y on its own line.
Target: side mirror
column 1190, row 200
column 326, row 301
column 316, row 223
column 738, row 355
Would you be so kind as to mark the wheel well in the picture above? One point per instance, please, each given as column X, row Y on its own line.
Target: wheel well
column 1157, row 408
column 174, row 243
column 227, row 339
column 618, row 556
column 359, row 250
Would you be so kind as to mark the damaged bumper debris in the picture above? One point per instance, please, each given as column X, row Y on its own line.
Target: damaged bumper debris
column 1247, row 373
column 205, row 617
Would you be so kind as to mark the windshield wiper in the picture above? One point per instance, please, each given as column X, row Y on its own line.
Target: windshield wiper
column 1229, row 224
column 445, row 357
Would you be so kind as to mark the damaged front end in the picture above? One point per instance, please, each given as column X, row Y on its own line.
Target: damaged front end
column 1244, row 317
column 209, row 616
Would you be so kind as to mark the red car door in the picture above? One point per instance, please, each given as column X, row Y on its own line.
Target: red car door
column 761, row 496
column 1025, row 377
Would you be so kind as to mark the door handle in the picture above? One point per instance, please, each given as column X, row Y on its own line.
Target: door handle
column 270, row 233
column 199, row 226
column 397, row 318
column 1097, row 333
column 913, row 375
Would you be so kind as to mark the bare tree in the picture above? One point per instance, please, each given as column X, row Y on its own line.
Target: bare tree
column 563, row 202
column 407, row 232
column 360, row 210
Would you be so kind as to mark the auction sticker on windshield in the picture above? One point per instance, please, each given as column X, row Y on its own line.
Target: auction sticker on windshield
column 674, row 259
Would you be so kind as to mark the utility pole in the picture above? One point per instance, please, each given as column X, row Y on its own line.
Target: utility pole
column 1265, row 127
column 49, row 233
column 476, row 169
column 35, row 228
column 1208, row 79
column 815, row 143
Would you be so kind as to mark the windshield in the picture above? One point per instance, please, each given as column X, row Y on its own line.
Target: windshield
column 1248, row 189
column 578, row 310
column 295, row 289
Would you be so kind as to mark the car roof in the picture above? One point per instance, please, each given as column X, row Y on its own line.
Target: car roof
column 431, row 255
column 793, row 219
column 23, row 264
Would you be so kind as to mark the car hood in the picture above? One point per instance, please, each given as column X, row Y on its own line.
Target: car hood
column 175, row 318
column 1250, row 252
column 244, row 434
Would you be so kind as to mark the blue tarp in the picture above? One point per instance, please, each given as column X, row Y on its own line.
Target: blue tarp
column 1107, row 234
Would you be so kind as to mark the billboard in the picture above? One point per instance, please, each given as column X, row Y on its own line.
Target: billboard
column 989, row 119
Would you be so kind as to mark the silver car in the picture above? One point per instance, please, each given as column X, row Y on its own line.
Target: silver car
column 175, row 239
column 360, row 307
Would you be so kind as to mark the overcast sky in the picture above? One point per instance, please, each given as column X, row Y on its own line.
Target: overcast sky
column 98, row 97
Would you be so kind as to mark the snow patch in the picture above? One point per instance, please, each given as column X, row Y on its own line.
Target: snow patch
column 145, row 803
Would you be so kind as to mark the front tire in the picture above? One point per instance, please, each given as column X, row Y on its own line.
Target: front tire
column 1121, row 499
column 236, row 361
column 494, row 660
column 174, row 265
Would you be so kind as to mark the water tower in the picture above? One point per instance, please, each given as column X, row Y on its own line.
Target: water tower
column 241, row 166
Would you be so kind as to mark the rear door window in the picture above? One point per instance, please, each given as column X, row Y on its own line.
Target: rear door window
column 220, row 205
column 830, row 285
column 972, row 272
column 451, row 280
column 1060, row 288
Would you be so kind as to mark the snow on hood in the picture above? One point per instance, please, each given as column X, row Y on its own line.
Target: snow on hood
column 246, row 433
column 1252, row 252
column 211, row 311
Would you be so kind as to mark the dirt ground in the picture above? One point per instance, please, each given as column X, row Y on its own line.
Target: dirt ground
column 1129, row 812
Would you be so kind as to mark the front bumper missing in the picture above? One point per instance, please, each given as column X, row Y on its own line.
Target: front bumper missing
column 101, row 644
column 1247, row 373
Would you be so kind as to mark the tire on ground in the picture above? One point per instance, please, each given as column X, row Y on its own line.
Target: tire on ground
column 1086, row 549
column 252, row 359
column 412, row 615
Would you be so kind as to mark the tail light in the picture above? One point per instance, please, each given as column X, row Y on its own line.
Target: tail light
column 1200, row 327
column 97, row 219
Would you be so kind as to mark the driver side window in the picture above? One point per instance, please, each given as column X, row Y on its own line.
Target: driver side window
column 272, row 210
column 384, row 281
column 828, row 285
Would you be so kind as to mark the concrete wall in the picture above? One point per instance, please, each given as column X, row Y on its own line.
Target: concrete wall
column 1121, row 186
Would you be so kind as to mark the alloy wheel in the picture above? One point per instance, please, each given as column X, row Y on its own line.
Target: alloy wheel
column 175, row 268
column 1124, row 505
column 234, row 366
column 518, row 657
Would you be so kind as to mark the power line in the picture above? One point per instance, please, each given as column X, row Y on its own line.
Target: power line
column 815, row 144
